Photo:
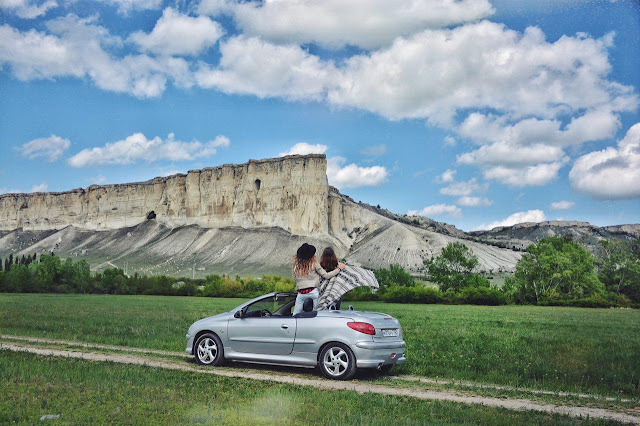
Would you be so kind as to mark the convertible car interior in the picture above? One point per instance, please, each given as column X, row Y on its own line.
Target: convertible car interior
column 280, row 305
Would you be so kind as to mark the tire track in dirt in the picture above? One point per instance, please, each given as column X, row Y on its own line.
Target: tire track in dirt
column 430, row 395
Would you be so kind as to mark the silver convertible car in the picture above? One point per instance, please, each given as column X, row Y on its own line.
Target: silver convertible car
column 263, row 330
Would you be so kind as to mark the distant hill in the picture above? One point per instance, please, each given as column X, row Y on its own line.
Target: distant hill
column 521, row 235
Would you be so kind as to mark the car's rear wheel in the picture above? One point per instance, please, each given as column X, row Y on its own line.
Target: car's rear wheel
column 337, row 361
column 208, row 350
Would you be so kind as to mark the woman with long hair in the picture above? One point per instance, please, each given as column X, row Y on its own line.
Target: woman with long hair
column 306, row 274
column 329, row 262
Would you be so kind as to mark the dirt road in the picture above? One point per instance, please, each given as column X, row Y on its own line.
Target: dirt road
column 359, row 387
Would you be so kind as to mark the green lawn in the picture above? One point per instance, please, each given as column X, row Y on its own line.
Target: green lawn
column 570, row 349
column 90, row 393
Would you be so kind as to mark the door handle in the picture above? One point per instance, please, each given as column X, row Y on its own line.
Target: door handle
column 284, row 326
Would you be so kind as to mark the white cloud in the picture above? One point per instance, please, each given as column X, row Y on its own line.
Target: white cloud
column 438, row 210
column 126, row 6
column 610, row 174
column 519, row 217
column 28, row 9
column 178, row 34
column 354, row 176
column 50, row 148
column 464, row 188
column 561, row 205
column 483, row 65
column 335, row 23
column 374, row 150
column 77, row 47
column 474, row 201
column 538, row 175
column 43, row 187
column 304, row 148
column 505, row 153
column 138, row 148
column 449, row 141
column 447, row 176
column 253, row 66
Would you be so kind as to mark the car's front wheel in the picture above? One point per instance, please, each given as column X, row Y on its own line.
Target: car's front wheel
column 208, row 350
column 337, row 361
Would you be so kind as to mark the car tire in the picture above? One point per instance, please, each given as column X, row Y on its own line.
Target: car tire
column 337, row 361
column 208, row 350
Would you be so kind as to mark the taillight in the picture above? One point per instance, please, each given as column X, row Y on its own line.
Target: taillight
column 362, row 327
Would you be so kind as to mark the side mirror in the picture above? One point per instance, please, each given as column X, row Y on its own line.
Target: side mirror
column 238, row 314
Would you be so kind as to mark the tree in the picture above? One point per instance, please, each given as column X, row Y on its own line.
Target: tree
column 81, row 277
column 554, row 267
column 619, row 268
column 394, row 276
column 47, row 273
column 455, row 268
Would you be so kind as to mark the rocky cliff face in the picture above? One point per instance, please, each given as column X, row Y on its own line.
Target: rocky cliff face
column 290, row 193
column 245, row 219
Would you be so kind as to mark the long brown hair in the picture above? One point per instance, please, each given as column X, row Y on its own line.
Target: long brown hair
column 329, row 261
column 302, row 267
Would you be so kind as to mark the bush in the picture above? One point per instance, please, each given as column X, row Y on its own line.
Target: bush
column 361, row 294
column 393, row 277
column 413, row 295
column 482, row 296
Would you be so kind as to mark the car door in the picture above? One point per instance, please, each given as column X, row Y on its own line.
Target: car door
column 257, row 334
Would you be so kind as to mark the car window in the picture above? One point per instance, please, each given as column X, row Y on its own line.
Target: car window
column 277, row 305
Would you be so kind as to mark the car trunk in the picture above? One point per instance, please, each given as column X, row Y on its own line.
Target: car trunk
column 387, row 328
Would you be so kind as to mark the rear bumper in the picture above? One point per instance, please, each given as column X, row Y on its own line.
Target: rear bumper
column 376, row 354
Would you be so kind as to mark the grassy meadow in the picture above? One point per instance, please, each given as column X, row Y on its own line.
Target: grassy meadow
column 85, row 392
column 568, row 349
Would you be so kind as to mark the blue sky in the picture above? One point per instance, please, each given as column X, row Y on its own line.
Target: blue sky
column 474, row 113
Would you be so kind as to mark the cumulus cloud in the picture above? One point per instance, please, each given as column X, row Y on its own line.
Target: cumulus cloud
column 178, row 34
column 335, row 23
column 436, row 210
column 464, row 188
column 561, row 205
column 249, row 65
column 27, row 9
column 43, row 187
column 50, row 148
column 474, row 201
column 446, row 177
column 126, row 6
column 483, row 65
column 519, row 217
column 138, row 148
column 537, row 175
column 612, row 173
column 304, row 148
column 354, row 176
column 77, row 47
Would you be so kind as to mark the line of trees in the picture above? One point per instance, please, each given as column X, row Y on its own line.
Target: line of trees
column 554, row 271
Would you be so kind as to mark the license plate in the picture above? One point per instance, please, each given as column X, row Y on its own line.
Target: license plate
column 389, row 332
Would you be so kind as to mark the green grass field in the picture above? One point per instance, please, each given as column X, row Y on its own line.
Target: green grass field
column 569, row 349
column 90, row 393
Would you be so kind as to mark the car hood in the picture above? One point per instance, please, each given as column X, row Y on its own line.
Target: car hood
column 207, row 320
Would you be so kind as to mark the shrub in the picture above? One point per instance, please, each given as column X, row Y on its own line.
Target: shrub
column 482, row 296
column 394, row 276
